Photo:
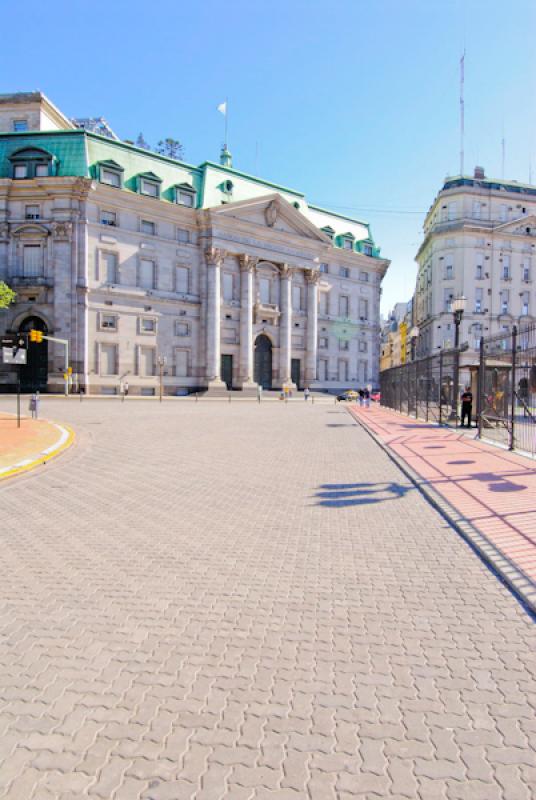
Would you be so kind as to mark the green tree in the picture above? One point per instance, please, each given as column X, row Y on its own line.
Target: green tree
column 7, row 295
column 171, row 148
column 141, row 142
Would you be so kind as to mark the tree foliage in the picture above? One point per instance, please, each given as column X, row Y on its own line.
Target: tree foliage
column 141, row 142
column 7, row 295
column 170, row 147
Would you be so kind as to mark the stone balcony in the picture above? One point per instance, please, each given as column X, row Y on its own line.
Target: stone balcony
column 266, row 311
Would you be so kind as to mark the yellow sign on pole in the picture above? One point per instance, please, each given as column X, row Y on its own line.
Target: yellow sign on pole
column 65, row 376
column 70, row 370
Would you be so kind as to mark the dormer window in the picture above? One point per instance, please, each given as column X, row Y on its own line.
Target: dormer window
column 110, row 173
column 31, row 163
column 185, row 195
column 328, row 230
column 20, row 125
column 347, row 244
column 149, row 184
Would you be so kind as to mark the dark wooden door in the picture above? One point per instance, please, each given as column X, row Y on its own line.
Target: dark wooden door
column 34, row 375
column 263, row 362
column 295, row 369
column 227, row 370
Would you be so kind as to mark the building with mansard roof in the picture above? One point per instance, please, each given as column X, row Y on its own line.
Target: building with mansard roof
column 145, row 264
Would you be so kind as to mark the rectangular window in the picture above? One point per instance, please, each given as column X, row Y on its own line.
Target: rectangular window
column 504, row 301
column 477, row 208
column 344, row 304
column 324, row 303
column 503, row 212
column 452, row 210
column 525, row 304
column 20, row 171
column 149, row 188
column 478, row 300
column 296, row 298
column 364, row 276
column 506, row 268
column 323, row 342
column 344, row 272
column 20, row 125
column 110, row 178
column 183, row 235
column 109, row 268
column 227, row 286
column 447, row 299
column 367, row 249
column 525, row 266
column 347, row 244
column 363, row 347
column 108, row 321
column 343, row 371
column 182, row 280
column 363, row 308
column 449, row 267
column 32, row 260
column 146, row 226
column 323, row 369
column 147, row 274
column 181, row 363
column 147, row 325
column 344, row 344
column 479, row 266
column 147, row 361
column 182, row 329
column 185, row 199
column 108, row 359
column 108, row 218
column 32, row 212
column 41, row 171
column 264, row 290
column 297, row 342
column 324, row 268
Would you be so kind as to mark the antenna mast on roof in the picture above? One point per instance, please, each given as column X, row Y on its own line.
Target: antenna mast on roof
column 462, row 110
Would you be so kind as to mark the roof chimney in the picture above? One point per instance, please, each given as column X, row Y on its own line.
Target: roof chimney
column 479, row 173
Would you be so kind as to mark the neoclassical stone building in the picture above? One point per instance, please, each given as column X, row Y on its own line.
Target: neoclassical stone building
column 147, row 264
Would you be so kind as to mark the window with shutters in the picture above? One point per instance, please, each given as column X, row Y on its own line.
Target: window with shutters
column 108, row 268
column 227, row 286
column 181, row 363
column 147, row 361
column 182, row 280
column 147, row 271
column 32, row 260
column 108, row 359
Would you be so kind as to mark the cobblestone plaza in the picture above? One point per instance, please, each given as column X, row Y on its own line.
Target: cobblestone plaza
column 302, row 626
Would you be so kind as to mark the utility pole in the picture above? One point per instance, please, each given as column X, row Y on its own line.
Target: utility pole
column 162, row 361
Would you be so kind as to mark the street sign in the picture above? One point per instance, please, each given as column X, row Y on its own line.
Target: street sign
column 15, row 340
column 12, row 355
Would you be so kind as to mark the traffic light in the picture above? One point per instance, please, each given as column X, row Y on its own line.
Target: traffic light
column 36, row 336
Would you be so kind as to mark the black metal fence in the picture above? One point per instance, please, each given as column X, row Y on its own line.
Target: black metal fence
column 502, row 378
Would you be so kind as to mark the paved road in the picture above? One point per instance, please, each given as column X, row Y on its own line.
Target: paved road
column 241, row 601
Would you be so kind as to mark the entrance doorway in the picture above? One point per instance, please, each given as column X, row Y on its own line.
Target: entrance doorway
column 227, row 370
column 295, row 370
column 34, row 374
column 263, row 361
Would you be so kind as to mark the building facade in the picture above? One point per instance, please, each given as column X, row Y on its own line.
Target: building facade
column 479, row 242
column 147, row 266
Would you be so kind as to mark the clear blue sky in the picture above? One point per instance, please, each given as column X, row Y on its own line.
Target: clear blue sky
column 354, row 102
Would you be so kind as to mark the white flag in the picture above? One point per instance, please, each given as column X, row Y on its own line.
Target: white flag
column 223, row 108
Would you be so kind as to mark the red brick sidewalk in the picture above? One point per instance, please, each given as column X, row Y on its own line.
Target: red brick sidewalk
column 491, row 489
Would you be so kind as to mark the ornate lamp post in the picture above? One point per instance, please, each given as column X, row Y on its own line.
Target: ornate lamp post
column 161, row 361
column 457, row 308
column 414, row 335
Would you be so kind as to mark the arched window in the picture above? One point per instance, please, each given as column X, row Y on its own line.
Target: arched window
column 31, row 162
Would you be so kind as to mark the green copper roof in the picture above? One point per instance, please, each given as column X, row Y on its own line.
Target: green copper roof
column 67, row 146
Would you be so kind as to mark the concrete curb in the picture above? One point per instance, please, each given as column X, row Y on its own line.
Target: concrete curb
column 508, row 573
column 63, row 442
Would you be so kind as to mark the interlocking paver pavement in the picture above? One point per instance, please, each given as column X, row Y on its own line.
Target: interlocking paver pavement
column 250, row 601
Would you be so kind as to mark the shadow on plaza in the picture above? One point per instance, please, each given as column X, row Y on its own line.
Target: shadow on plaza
column 339, row 495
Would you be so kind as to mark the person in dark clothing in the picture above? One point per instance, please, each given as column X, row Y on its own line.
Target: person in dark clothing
column 467, row 407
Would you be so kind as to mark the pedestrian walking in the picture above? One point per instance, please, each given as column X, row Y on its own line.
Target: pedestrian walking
column 467, row 407
column 125, row 388
column 366, row 398
column 34, row 405
column 361, row 396
column 306, row 393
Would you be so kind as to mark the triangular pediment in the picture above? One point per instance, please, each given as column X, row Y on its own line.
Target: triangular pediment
column 272, row 212
column 522, row 226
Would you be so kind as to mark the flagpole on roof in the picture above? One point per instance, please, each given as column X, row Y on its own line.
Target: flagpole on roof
column 226, row 120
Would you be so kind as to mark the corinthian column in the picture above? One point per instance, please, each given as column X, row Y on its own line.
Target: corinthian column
column 312, row 277
column 214, row 259
column 247, row 267
column 285, row 328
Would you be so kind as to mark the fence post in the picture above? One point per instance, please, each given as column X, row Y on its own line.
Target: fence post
column 513, row 388
column 428, row 384
column 441, row 387
column 480, row 387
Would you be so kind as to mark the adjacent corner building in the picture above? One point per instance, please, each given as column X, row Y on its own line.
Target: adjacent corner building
column 146, row 264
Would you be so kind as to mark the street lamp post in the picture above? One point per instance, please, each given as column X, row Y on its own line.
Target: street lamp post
column 414, row 335
column 162, row 361
column 457, row 308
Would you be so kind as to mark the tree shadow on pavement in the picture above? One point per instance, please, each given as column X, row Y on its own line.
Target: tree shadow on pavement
column 339, row 495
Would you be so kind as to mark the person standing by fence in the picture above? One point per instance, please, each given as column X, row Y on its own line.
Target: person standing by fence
column 467, row 407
